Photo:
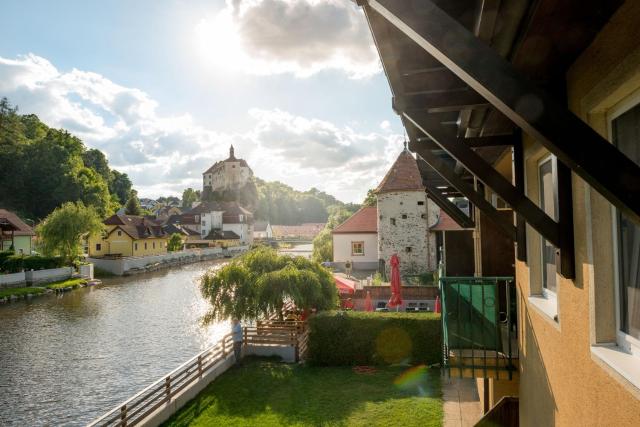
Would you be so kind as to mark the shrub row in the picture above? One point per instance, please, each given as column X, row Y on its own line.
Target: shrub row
column 13, row 263
column 360, row 338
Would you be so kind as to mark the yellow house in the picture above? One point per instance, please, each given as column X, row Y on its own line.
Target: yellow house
column 531, row 111
column 128, row 235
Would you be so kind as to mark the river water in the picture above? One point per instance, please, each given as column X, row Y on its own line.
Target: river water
column 65, row 360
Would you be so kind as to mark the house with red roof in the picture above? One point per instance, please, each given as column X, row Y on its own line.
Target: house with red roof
column 356, row 240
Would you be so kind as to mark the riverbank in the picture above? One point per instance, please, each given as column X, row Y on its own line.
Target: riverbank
column 14, row 294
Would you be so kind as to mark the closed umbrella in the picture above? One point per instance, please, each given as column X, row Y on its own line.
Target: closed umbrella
column 396, row 287
column 368, row 304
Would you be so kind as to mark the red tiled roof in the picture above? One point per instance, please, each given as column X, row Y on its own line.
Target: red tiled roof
column 13, row 222
column 363, row 221
column 446, row 223
column 403, row 175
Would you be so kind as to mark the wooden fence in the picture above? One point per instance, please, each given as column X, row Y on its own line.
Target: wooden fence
column 266, row 333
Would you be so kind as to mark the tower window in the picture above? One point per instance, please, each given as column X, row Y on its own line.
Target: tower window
column 407, row 249
column 393, row 221
column 420, row 203
column 404, row 216
column 423, row 216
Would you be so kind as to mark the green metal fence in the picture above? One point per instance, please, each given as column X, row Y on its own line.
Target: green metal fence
column 478, row 326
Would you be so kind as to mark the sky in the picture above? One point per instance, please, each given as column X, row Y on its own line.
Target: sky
column 164, row 87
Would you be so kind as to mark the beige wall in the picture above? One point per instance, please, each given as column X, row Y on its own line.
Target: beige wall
column 562, row 381
column 342, row 247
column 123, row 244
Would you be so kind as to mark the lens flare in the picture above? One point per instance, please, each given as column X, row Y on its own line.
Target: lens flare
column 415, row 378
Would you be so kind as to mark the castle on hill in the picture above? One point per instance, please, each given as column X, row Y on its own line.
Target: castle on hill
column 229, row 174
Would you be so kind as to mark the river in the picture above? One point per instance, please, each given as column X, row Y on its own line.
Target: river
column 67, row 359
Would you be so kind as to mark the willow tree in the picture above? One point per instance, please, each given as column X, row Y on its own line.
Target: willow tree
column 259, row 283
column 62, row 231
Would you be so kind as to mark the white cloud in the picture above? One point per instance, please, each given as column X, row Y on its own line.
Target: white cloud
column 165, row 154
column 302, row 37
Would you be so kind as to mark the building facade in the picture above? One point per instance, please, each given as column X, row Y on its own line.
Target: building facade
column 15, row 234
column 128, row 235
column 356, row 240
column 405, row 214
column 229, row 174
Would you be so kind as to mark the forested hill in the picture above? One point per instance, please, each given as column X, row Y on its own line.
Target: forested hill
column 281, row 204
column 41, row 168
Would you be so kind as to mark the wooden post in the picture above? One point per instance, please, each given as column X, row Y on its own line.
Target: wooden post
column 123, row 416
column 167, row 387
column 224, row 349
column 200, row 365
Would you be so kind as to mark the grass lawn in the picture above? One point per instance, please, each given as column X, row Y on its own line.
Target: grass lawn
column 20, row 291
column 263, row 392
column 65, row 283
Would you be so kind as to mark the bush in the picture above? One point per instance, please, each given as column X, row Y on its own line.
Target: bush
column 16, row 263
column 359, row 338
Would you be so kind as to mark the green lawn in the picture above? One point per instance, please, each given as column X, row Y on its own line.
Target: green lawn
column 65, row 283
column 263, row 392
column 20, row 291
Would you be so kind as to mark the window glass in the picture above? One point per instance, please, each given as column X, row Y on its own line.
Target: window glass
column 626, row 136
column 549, row 204
column 357, row 248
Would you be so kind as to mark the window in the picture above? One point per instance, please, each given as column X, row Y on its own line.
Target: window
column 423, row 216
column 98, row 247
column 154, row 245
column 626, row 136
column 135, row 246
column 547, row 176
column 393, row 221
column 357, row 248
column 204, row 223
column 407, row 249
column 119, row 233
column 404, row 216
column 145, row 245
column 420, row 203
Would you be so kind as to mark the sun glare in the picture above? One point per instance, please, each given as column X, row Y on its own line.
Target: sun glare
column 218, row 42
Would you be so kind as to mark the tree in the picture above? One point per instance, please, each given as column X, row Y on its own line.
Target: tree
column 189, row 196
column 371, row 199
column 259, row 283
column 323, row 242
column 120, row 185
column 133, row 204
column 62, row 230
column 96, row 160
column 175, row 242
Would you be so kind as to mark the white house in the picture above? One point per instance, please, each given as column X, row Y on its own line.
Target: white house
column 356, row 240
column 239, row 220
column 262, row 230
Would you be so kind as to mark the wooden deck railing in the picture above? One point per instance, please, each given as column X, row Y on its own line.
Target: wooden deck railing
column 143, row 404
column 137, row 408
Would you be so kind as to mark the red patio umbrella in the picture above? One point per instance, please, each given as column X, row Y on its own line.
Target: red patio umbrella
column 368, row 304
column 396, row 287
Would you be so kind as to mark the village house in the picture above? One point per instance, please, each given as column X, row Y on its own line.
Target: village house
column 356, row 240
column 229, row 174
column 531, row 111
column 262, row 230
column 164, row 212
column 16, row 235
column 128, row 235
column 224, row 216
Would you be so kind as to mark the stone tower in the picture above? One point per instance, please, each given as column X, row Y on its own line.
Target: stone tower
column 405, row 215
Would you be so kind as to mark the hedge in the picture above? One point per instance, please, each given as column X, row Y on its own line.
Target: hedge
column 16, row 263
column 361, row 338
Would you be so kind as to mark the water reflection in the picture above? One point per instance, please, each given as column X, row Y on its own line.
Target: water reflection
column 66, row 359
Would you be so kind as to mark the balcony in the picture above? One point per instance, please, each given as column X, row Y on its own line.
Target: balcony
column 479, row 327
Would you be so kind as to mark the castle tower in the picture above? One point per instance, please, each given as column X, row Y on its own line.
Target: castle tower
column 229, row 174
column 404, row 217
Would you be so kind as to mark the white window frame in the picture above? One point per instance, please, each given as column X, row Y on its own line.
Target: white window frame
column 625, row 341
column 548, row 294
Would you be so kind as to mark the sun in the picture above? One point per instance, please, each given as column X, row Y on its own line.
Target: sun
column 218, row 43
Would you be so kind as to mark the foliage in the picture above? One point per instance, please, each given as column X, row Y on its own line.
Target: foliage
column 133, row 205
column 266, row 393
column 168, row 200
column 189, row 196
column 16, row 262
column 323, row 242
column 257, row 284
column 18, row 292
column 120, row 186
column 361, row 338
column 377, row 279
column 371, row 199
column 280, row 204
column 61, row 232
column 175, row 243
column 43, row 168
column 69, row 283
